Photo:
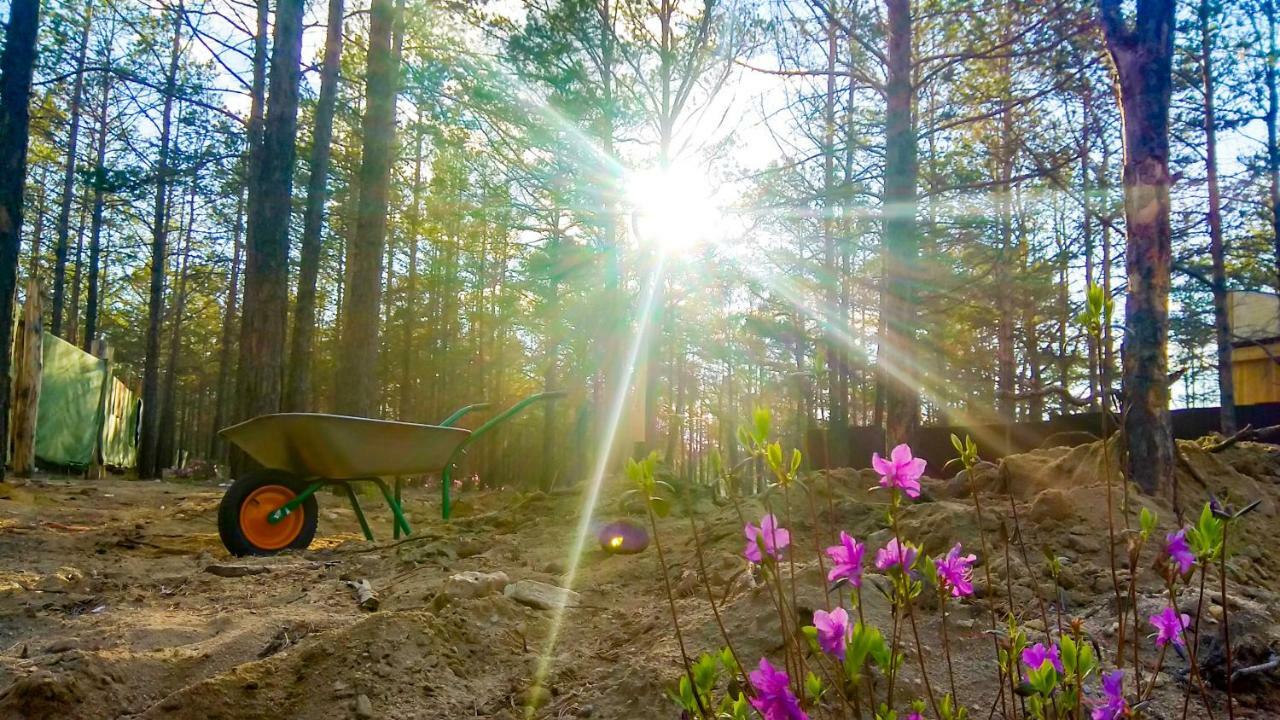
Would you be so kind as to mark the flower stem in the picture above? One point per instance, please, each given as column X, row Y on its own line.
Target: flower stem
column 946, row 647
column 1226, row 621
column 671, row 603
column 1193, row 653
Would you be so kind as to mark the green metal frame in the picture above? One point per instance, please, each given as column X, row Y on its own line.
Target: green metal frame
column 400, row 525
column 446, row 475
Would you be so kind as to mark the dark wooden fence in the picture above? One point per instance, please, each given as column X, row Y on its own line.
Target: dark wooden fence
column 933, row 443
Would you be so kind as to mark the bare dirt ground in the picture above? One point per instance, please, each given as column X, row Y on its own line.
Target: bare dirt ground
column 110, row 605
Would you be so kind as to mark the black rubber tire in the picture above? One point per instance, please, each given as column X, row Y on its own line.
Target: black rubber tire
column 232, row 500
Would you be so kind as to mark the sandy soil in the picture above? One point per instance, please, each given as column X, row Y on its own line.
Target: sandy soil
column 108, row 608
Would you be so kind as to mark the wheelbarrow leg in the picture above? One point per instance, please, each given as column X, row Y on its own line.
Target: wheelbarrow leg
column 399, row 482
column 355, row 506
column 399, row 523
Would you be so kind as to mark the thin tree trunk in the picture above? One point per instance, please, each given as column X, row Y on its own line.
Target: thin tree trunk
column 167, row 452
column 95, row 224
column 901, row 244
column 1273, row 133
column 148, row 446
column 837, row 400
column 1221, row 324
column 298, row 390
column 69, row 177
column 357, row 394
column 17, row 63
column 1143, row 59
column 409, row 357
column 222, row 402
column 260, row 372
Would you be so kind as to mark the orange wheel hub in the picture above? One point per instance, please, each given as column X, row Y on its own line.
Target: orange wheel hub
column 262, row 532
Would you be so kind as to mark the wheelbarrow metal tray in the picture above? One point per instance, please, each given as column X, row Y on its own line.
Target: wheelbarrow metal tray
column 337, row 447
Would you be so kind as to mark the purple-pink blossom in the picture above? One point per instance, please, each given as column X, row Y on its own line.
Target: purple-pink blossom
column 1037, row 655
column 1112, row 706
column 1179, row 551
column 847, row 557
column 1169, row 626
column 774, row 699
column 955, row 572
column 896, row 554
column 767, row 537
column 833, row 631
column 901, row 470
column 915, row 716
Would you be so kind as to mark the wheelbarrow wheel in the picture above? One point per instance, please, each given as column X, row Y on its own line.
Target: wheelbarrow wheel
column 242, row 515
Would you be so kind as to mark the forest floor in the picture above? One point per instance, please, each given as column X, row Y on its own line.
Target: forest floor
column 113, row 602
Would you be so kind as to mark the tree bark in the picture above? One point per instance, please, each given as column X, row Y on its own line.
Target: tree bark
column 17, row 63
column 298, row 396
column 260, row 373
column 167, row 450
column 900, row 242
column 1143, row 62
column 95, row 223
column 69, row 177
column 357, row 394
column 1273, row 133
column 834, row 322
column 1221, row 324
column 148, row 445
column 223, row 401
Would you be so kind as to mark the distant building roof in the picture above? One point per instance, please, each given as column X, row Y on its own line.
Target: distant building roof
column 1254, row 316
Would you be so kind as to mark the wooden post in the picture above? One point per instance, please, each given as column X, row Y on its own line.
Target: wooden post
column 97, row 467
column 26, row 392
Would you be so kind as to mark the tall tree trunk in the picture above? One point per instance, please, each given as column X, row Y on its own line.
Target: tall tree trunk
column 834, row 322
column 1143, row 59
column 1273, row 133
column 77, row 277
column 167, row 451
column 357, row 394
column 1221, row 325
column 99, row 208
column 298, row 390
column 148, row 465
column 260, row 372
column 901, row 244
column 409, row 357
column 17, row 63
column 222, row 402
column 69, row 177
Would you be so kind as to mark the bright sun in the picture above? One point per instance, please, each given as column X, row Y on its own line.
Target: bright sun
column 673, row 208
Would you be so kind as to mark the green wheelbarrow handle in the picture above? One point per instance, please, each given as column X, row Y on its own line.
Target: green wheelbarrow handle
column 446, row 475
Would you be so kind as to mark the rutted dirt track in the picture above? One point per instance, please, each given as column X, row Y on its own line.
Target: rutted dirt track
column 108, row 607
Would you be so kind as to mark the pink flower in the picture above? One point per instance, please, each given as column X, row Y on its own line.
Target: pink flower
column 1179, row 551
column 915, row 716
column 894, row 554
column 833, row 631
column 1113, row 705
column 901, row 471
column 847, row 557
column 769, row 537
column 774, row 699
column 1037, row 655
column 956, row 573
column 1169, row 626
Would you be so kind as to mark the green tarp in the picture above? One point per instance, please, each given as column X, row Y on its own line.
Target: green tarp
column 72, row 406
column 120, row 427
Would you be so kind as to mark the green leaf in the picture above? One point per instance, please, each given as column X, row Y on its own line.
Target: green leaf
column 795, row 460
column 660, row 506
column 762, row 420
column 1147, row 521
column 813, row 686
column 955, row 443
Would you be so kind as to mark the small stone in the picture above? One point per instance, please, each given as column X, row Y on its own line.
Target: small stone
column 63, row 645
column 364, row 708
column 541, row 595
column 472, row 584
column 1052, row 504
column 555, row 567
column 535, row 697
column 586, row 711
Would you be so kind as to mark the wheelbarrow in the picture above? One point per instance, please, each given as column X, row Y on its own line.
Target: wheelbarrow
column 274, row 508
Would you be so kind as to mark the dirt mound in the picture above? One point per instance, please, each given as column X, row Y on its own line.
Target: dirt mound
column 108, row 607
